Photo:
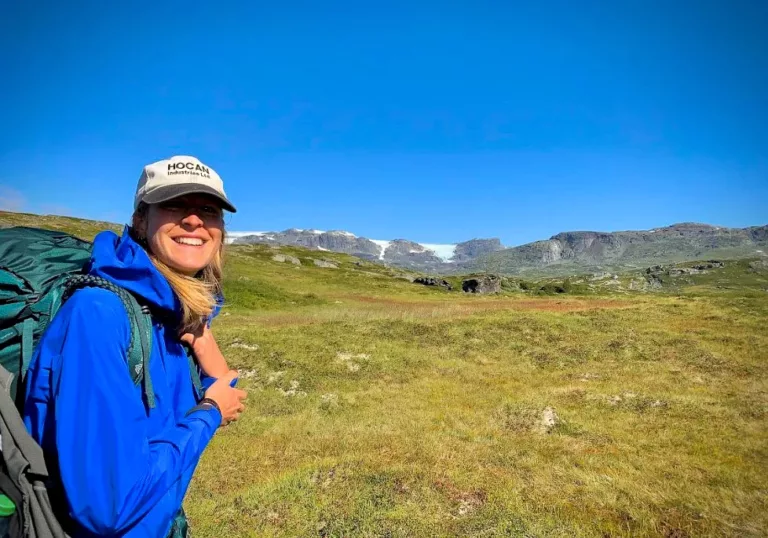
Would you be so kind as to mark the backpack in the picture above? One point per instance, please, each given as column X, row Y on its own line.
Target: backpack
column 39, row 271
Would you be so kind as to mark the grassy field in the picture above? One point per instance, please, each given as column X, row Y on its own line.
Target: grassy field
column 378, row 407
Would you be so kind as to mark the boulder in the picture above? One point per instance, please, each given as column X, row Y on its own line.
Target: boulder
column 759, row 265
column 548, row 421
column 711, row 264
column 432, row 281
column 683, row 271
column 654, row 281
column 286, row 258
column 326, row 264
column 482, row 284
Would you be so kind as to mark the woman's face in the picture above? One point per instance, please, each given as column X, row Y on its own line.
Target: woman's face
column 186, row 232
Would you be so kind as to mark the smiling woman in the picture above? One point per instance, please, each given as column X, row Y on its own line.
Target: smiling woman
column 124, row 453
column 184, row 239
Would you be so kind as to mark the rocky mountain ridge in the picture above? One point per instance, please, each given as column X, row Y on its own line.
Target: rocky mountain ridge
column 568, row 251
column 563, row 253
column 399, row 252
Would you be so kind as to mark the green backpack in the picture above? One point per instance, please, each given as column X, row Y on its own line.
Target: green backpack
column 39, row 271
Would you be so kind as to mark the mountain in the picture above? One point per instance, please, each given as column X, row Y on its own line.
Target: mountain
column 570, row 252
column 399, row 252
column 562, row 254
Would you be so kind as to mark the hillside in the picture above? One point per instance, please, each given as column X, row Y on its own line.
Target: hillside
column 380, row 407
column 564, row 254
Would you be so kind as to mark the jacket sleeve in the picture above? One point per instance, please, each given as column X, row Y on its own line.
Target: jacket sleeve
column 111, row 471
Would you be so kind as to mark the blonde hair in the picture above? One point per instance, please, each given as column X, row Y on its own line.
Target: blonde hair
column 197, row 294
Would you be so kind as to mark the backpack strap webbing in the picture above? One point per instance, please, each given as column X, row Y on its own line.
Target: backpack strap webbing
column 141, row 329
column 27, row 342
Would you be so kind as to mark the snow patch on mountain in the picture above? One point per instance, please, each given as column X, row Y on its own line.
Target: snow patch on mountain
column 444, row 252
column 384, row 245
column 231, row 236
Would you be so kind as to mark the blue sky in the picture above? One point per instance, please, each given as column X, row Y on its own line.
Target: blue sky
column 438, row 122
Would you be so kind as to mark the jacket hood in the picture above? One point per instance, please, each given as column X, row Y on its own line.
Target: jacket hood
column 123, row 261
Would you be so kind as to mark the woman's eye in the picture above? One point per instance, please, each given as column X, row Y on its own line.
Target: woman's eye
column 210, row 210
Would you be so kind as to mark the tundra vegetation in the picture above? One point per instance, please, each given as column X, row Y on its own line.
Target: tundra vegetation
column 598, row 405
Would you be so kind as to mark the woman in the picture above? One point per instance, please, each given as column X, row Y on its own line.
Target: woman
column 122, row 467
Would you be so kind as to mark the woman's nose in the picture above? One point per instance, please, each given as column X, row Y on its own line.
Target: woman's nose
column 192, row 219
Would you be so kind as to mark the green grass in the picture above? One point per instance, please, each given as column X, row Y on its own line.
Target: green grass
column 378, row 407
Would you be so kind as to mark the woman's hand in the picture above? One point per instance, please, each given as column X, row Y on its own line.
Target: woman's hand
column 229, row 400
column 198, row 340
column 206, row 352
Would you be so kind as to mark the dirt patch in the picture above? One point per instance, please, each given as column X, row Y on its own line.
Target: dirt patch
column 544, row 304
column 359, row 307
column 465, row 501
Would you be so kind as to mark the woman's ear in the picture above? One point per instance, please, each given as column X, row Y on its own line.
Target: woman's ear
column 139, row 222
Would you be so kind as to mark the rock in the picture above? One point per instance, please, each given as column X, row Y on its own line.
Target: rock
column 247, row 374
column 329, row 401
column 549, row 420
column 432, row 281
column 482, row 284
column 711, row 264
column 293, row 390
column 326, row 264
column 677, row 271
column 349, row 358
column 239, row 344
column 759, row 265
column 285, row 258
column 274, row 377
column 654, row 281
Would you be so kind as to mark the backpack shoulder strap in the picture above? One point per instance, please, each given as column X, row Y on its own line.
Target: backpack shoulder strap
column 140, row 319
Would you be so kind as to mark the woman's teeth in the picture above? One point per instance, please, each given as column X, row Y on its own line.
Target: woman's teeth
column 189, row 241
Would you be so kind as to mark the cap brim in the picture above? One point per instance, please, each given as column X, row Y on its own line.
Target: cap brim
column 169, row 192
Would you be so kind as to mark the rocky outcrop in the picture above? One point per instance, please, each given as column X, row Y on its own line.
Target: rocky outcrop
column 658, row 270
column 432, row 281
column 469, row 250
column 285, row 258
column 570, row 252
column 326, row 264
column 482, row 284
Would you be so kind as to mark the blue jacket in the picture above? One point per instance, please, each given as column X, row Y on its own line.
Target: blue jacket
column 124, row 468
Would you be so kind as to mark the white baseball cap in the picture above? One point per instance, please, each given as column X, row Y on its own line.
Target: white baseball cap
column 177, row 176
